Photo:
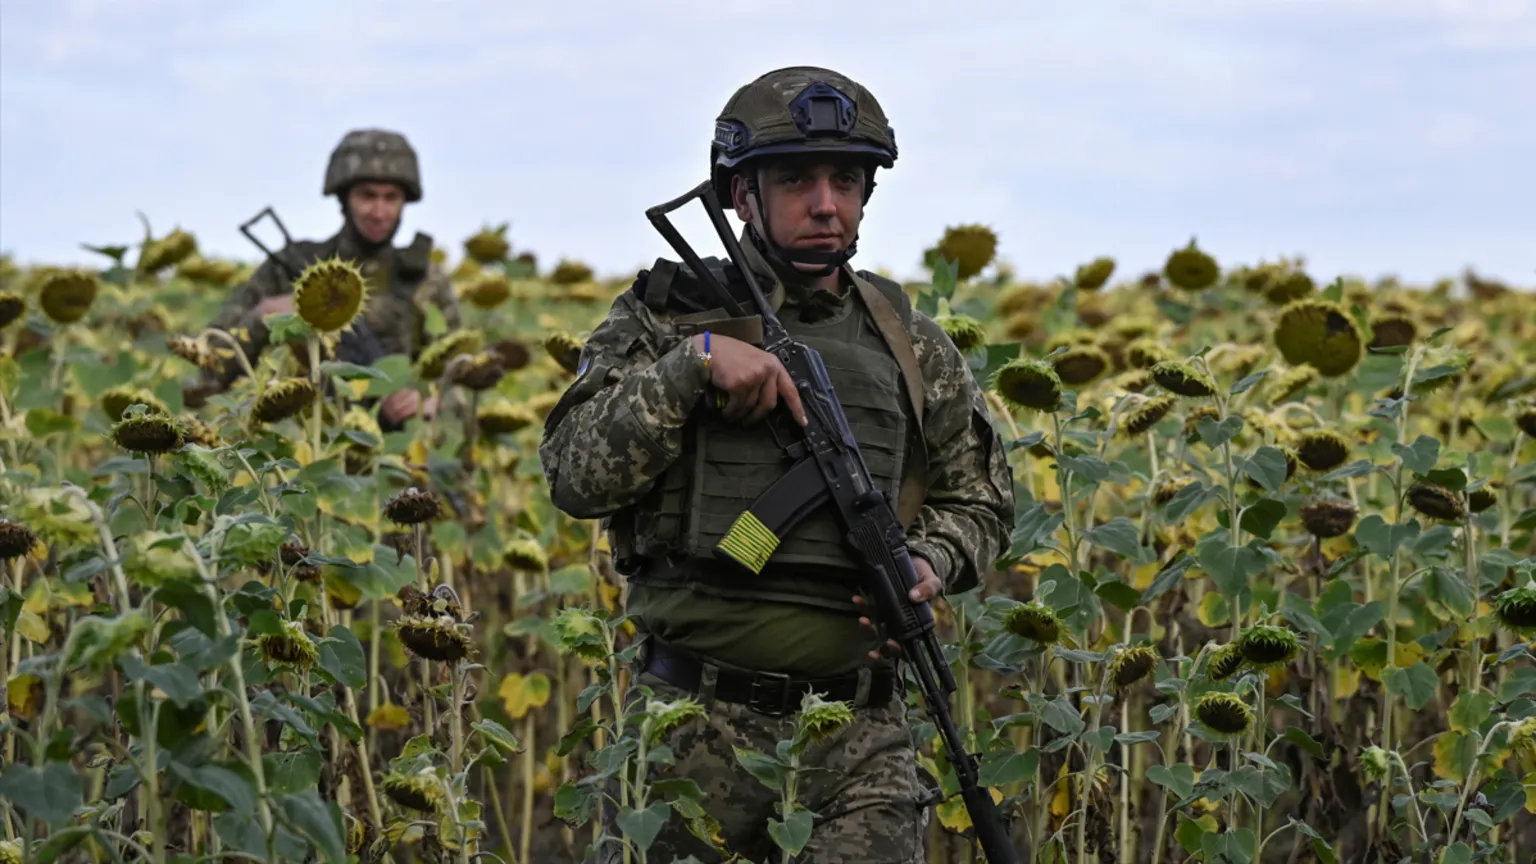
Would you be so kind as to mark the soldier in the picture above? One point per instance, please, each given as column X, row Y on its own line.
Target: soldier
column 373, row 174
column 794, row 155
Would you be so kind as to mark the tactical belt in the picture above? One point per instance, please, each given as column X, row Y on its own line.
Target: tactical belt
column 770, row 693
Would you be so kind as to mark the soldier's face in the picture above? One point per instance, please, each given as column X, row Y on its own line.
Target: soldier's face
column 376, row 209
column 811, row 204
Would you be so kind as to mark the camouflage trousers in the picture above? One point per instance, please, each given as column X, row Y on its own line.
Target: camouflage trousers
column 870, row 806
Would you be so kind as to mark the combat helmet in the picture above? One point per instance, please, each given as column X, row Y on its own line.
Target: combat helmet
column 799, row 109
column 373, row 154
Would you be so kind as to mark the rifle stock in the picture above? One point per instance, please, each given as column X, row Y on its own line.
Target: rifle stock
column 872, row 530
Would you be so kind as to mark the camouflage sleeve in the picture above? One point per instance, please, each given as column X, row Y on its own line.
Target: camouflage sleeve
column 967, row 517
column 241, row 318
column 437, row 290
column 620, row 424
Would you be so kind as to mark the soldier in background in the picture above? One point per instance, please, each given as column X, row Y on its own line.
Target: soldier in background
column 373, row 173
column 794, row 154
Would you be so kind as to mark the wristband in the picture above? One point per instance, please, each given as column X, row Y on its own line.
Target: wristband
column 706, row 349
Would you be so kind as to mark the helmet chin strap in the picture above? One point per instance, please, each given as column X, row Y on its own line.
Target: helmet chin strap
column 786, row 259
column 367, row 245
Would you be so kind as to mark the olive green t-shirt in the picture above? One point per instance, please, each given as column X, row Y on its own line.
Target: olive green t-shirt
column 761, row 635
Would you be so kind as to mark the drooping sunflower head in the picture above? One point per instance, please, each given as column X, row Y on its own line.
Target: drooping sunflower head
column 1525, row 418
column 1145, row 416
column 1081, row 365
column 413, row 507
column 1093, row 275
column 1132, row 665
column 168, row 251
column 114, row 401
column 420, row 792
column 964, row 331
column 1133, row 381
column 525, row 553
column 1268, row 647
column 1322, row 450
column 283, row 399
column 972, row 247
column 1191, row 269
column 194, row 351
column 1289, row 286
column 329, row 294
column 1482, row 498
column 1144, row 353
column 1225, row 661
column 1165, row 489
column 1390, row 331
column 514, row 353
column 479, row 372
column 434, row 637
column 1328, row 517
column 1224, row 713
column 11, row 307
column 1516, row 608
column 1183, row 379
column 569, row 272
column 1029, row 384
column 196, row 431
column 820, row 719
column 489, row 290
column 290, row 645
column 668, row 717
column 1374, row 762
column 66, row 295
column 1034, row 621
column 1319, row 333
column 16, row 540
column 153, row 434
column 434, row 358
column 503, row 418
column 1436, row 502
column 488, row 245
column 1198, row 413
column 566, row 349
column 1291, row 383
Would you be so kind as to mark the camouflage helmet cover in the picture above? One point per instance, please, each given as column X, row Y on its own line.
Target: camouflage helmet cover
column 373, row 154
column 798, row 109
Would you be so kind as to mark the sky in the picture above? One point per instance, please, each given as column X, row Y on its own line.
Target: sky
column 1370, row 137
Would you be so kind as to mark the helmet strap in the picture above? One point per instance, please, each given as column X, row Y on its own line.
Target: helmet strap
column 786, row 259
column 367, row 246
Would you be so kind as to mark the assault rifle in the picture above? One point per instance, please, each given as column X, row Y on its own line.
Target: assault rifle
column 358, row 344
column 829, row 467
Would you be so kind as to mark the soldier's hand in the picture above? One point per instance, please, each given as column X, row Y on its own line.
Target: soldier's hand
column 275, row 305
column 400, row 405
column 928, row 587
column 753, row 380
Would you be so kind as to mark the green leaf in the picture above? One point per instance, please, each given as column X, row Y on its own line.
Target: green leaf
column 1262, row 517
column 1267, row 468
column 1190, row 834
column 223, row 783
column 1247, row 383
column 1358, row 468
column 1471, row 710
column 498, row 735
column 1121, row 536
column 1216, row 434
column 1123, row 596
column 1230, row 567
column 1457, row 853
column 1188, row 500
column 1168, row 577
column 1298, row 736
column 642, row 826
column 1173, row 310
column 671, row 789
column 1420, row 456
column 341, row 654
column 319, row 821
column 767, row 769
column 1416, row 684
column 1033, row 526
column 350, row 371
column 1179, row 779
column 1383, row 539
column 292, row 771
column 1234, row 847
column 793, row 833
column 1059, row 714
column 999, row 768
column 175, row 680
column 50, row 793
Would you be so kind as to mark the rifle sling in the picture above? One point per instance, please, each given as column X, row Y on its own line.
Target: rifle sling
column 914, row 485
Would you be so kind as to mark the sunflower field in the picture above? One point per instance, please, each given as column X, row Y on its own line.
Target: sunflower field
column 1267, row 598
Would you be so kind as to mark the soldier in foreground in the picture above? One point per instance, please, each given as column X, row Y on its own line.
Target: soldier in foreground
column 664, row 436
column 373, row 174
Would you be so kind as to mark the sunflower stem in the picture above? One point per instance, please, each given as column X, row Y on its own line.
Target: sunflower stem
column 1393, row 587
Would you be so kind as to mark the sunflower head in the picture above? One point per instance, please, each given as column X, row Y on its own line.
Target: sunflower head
column 66, row 295
column 194, row 351
column 290, row 645
column 664, row 718
column 1224, row 713
column 1291, row 383
column 1482, row 499
column 1436, row 502
column 1391, row 331
column 1093, row 275
column 1191, row 269
column 570, row 273
column 819, row 719
column 153, row 434
column 1029, row 384
column 525, row 553
column 16, row 539
column 972, row 247
column 1225, row 661
column 420, row 792
column 1268, row 647
column 566, row 349
column 116, row 400
column 283, row 399
column 964, row 331
column 1081, row 365
column 479, row 372
column 1525, row 418
column 503, row 419
column 489, row 290
column 1289, row 286
column 1165, row 489
column 1144, row 353
column 1034, row 621
column 1183, row 379
column 1132, row 665
column 1374, row 762
column 1516, row 608
column 168, row 251
column 1133, row 381
column 1319, row 333
column 1145, row 416
column 514, row 354
column 434, row 358
column 1322, row 450
column 1328, row 517
column 434, row 637
column 412, row 507
column 11, row 307
column 329, row 294
column 488, row 245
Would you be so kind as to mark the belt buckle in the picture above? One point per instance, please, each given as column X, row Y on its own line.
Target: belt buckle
column 778, row 706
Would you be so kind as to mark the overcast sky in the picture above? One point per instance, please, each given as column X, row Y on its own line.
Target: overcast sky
column 1371, row 136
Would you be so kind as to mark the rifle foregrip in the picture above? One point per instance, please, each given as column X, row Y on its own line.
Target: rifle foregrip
column 988, row 825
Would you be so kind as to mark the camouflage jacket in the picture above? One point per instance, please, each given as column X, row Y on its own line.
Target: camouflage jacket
column 620, row 424
column 402, row 283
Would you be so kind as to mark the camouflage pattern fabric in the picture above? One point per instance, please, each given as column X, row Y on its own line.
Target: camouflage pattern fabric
column 373, row 154
column 620, row 424
column 403, row 283
column 868, row 800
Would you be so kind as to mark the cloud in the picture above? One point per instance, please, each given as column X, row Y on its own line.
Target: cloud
column 1373, row 136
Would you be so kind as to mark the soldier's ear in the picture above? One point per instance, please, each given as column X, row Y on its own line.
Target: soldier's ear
column 740, row 198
